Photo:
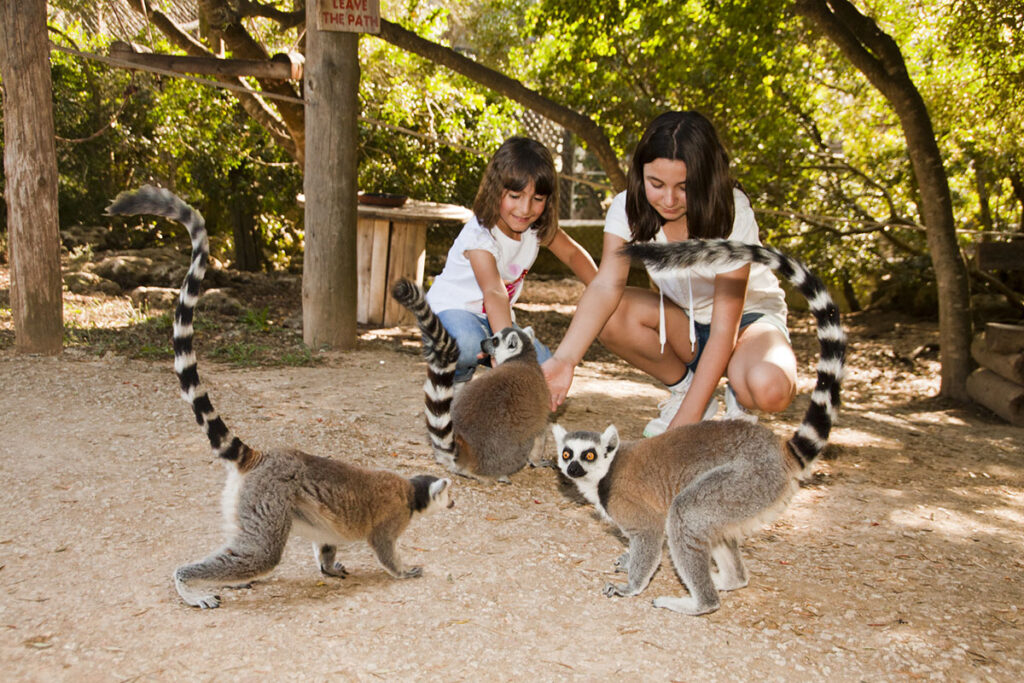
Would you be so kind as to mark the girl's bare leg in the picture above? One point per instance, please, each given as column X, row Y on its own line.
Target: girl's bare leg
column 762, row 370
column 632, row 334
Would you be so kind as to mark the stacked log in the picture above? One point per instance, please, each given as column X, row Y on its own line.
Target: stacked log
column 999, row 383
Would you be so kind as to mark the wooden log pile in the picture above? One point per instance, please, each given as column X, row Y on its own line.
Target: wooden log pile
column 999, row 383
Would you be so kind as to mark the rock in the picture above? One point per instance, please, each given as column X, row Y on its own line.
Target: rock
column 154, row 297
column 158, row 267
column 84, row 282
column 219, row 300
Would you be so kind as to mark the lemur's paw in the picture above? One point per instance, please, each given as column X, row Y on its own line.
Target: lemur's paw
column 688, row 606
column 201, row 601
column 612, row 590
column 411, row 573
column 338, row 571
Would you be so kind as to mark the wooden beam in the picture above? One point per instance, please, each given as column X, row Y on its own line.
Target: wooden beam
column 1007, row 365
column 1000, row 395
column 1004, row 338
column 1001, row 255
column 281, row 67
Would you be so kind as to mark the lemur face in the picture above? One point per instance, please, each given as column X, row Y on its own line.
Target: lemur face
column 508, row 343
column 441, row 495
column 585, row 455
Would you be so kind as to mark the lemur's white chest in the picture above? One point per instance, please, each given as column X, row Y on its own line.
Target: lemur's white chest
column 588, row 489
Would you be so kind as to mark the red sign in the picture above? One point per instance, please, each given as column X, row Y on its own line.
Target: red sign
column 356, row 16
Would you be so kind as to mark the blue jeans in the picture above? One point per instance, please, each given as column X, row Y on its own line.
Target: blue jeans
column 469, row 329
column 704, row 331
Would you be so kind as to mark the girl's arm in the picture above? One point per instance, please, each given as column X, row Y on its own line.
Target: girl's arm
column 568, row 251
column 496, row 303
column 597, row 304
column 730, row 293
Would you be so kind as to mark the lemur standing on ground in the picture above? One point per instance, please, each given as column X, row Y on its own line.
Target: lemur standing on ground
column 271, row 493
column 707, row 485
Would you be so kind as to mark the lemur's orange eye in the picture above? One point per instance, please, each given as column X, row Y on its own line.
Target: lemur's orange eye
column 590, row 455
column 566, row 454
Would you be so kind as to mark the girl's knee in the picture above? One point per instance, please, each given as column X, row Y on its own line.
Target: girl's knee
column 770, row 388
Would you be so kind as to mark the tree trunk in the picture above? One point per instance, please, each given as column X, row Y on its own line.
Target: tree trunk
column 878, row 57
column 329, row 266
column 30, row 168
column 243, row 228
column 586, row 129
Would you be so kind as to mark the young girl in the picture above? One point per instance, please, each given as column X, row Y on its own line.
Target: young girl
column 733, row 322
column 514, row 213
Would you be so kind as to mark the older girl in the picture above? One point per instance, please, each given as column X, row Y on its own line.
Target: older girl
column 702, row 324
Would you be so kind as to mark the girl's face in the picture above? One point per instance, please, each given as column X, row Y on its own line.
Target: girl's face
column 665, row 185
column 519, row 210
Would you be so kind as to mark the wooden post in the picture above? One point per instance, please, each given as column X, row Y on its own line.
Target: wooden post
column 30, row 168
column 331, row 88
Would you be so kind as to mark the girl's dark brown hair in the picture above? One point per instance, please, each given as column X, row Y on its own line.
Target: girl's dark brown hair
column 517, row 162
column 689, row 137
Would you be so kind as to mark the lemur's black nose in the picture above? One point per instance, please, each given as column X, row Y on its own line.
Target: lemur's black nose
column 575, row 469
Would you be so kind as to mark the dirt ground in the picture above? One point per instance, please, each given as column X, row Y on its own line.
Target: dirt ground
column 901, row 560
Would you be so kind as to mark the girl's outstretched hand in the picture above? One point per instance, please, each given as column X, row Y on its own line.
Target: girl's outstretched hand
column 558, row 373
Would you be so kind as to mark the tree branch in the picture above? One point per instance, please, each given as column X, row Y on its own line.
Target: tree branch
column 227, row 23
column 249, row 99
column 585, row 128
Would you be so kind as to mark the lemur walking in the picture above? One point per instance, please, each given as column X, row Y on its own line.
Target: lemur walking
column 269, row 494
column 707, row 485
column 499, row 418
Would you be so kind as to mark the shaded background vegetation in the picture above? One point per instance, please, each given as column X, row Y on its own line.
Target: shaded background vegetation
column 818, row 150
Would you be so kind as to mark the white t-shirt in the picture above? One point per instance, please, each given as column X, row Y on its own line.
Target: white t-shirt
column 456, row 286
column 763, row 292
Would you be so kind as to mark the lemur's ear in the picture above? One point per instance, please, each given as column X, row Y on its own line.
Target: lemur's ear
column 559, row 432
column 610, row 440
column 438, row 487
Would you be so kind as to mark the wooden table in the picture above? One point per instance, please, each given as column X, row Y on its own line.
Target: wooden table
column 391, row 244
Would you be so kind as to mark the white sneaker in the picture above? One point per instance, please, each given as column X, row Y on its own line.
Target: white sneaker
column 733, row 409
column 670, row 406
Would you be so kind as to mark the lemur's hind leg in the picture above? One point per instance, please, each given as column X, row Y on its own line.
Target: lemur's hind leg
column 717, row 500
column 252, row 553
column 537, row 457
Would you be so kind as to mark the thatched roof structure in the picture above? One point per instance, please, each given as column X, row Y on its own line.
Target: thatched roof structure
column 117, row 18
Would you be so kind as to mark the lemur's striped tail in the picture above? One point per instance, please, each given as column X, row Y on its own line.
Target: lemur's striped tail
column 161, row 202
column 441, row 352
column 812, row 435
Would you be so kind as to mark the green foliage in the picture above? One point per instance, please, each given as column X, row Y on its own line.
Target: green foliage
column 256, row 321
column 119, row 130
column 453, row 124
column 816, row 146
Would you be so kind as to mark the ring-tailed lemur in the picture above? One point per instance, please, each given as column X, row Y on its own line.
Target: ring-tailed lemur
column 499, row 418
column 270, row 493
column 709, row 484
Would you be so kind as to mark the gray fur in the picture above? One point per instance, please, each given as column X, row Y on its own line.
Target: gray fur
column 704, row 487
column 500, row 417
column 269, row 494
